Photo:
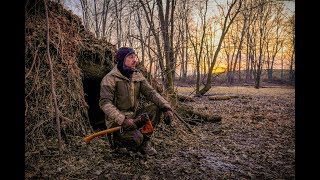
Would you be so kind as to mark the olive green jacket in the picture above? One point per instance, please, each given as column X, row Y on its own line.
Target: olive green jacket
column 119, row 96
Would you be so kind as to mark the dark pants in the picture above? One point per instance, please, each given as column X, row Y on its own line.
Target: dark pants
column 134, row 138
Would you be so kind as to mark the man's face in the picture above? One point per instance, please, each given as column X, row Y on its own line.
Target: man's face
column 131, row 61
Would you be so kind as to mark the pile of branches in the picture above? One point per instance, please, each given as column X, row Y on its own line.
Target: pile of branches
column 69, row 47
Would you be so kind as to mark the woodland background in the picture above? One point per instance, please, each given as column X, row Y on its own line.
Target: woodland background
column 177, row 39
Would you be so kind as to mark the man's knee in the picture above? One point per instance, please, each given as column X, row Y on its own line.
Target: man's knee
column 130, row 139
column 137, row 137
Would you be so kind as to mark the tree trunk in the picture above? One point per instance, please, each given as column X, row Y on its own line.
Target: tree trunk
column 141, row 38
column 168, row 49
column 184, row 76
column 97, row 31
column 105, row 12
column 239, row 48
column 85, row 16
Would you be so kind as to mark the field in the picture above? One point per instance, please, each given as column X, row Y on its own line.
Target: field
column 254, row 140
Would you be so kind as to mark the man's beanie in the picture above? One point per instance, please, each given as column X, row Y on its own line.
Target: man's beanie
column 122, row 53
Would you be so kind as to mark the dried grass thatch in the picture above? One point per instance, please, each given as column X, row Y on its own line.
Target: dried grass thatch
column 75, row 54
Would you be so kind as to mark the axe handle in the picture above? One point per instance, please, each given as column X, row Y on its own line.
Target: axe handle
column 90, row 137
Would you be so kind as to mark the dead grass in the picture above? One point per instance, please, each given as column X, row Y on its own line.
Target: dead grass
column 241, row 90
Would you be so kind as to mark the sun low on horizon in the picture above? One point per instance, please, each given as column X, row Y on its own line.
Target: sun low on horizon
column 218, row 70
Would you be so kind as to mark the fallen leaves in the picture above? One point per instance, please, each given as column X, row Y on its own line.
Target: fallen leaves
column 254, row 140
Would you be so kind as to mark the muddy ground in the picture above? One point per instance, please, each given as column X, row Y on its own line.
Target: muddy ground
column 254, row 140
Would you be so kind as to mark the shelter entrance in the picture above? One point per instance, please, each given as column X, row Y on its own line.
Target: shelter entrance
column 91, row 87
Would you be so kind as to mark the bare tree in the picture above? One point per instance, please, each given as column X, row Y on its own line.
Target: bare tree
column 250, row 40
column 104, row 15
column 292, row 60
column 149, row 15
column 167, row 37
column 141, row 36
column 185, row 65
column 118, row 13
column 85, row 13
column 210, row 45
column 238, row 54
column 276, row 39
column 198, row 47
column 264, row 15
column 97, row 30
column 228, row 20
column 252, row 35
column 183, row 10
column 230, row 46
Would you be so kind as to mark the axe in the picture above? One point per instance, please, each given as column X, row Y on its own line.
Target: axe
column 143, row 120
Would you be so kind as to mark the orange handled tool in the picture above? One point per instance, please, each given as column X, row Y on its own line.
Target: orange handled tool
column 100, row 133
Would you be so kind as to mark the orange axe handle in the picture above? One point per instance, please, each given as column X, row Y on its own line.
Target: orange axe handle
column 100, row 133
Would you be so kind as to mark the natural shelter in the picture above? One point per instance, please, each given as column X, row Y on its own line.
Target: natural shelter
column 64, row 64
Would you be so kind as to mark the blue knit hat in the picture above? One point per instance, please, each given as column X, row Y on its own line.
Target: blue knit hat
column 123, row 52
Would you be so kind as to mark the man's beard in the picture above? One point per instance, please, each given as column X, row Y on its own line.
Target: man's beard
column 126, row 70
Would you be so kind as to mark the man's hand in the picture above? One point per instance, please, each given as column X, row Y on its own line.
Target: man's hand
column 128, row 124
column 141, row 120
column 168, row 117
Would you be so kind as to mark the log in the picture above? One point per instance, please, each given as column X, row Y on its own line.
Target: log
column 188, row 110
column 184, row 98
column 224, row 97
column 207, row 117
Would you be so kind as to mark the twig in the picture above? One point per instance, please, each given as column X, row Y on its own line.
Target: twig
column 186, row 124
column 53, row 83
column 33, row 62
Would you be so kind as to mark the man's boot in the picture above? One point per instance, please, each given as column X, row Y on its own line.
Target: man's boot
column 147, row 148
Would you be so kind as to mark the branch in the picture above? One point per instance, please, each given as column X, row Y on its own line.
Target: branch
column 186, row 124
column 53, row 82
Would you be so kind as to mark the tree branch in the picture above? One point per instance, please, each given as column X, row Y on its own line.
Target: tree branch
column 53, row 82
